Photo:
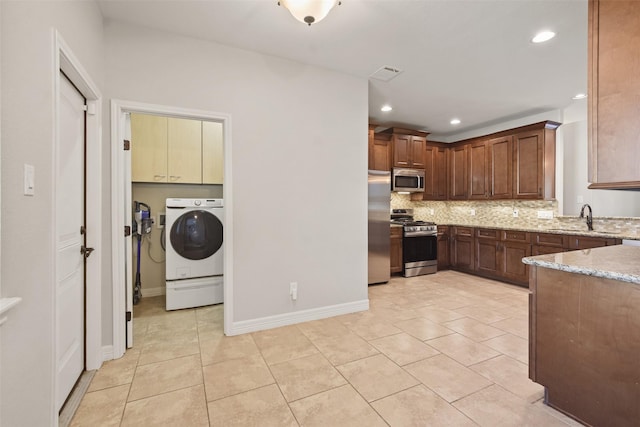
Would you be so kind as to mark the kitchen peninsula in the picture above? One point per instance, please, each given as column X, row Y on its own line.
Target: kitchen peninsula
column 584, row 339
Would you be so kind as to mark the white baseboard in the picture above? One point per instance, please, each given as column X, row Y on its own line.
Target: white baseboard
column 107, row 353
column 153, row 292
column 253, row 325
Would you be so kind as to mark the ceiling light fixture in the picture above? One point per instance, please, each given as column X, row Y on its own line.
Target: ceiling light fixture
column 309, row 11
column 386, row 108
column 543, row 36
column 455, row 121
column 580, row 96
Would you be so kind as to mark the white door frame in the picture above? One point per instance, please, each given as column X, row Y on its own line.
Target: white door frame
column 118, row 170
column 65, row 60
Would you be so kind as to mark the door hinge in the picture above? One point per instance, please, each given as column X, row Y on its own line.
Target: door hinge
column 127, row 145
column 128, row 316
column 127, row 231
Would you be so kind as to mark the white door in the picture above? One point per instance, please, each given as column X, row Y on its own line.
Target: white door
column 70, row 238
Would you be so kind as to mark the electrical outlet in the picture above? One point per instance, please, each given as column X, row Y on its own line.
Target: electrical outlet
column 473, row 212
column 431, row 211
column 545, row 214
column 162, row 218
column 293, row 290
column 515, row 213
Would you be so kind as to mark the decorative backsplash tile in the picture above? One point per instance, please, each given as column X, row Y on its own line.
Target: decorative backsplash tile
column 500, row 213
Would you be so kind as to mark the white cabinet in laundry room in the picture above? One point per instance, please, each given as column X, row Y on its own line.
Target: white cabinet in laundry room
column 175, row 151
column 184, row 148
column 212, row 155
column 148, row 148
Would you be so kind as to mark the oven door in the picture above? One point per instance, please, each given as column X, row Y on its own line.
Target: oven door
column 419, row 255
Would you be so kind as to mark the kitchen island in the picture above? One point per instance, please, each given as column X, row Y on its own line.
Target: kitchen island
column 584, row 333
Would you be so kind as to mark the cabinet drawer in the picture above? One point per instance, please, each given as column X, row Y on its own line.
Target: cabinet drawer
column 485, row 233
column 544, row 239
column 463, row 231
column 396, row 231
column 582, row 242
column 515, row 236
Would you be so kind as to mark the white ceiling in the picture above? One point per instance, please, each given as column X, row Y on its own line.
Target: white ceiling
column 470, row 59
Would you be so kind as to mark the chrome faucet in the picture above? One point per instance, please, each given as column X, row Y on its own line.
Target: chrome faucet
column 589, row 216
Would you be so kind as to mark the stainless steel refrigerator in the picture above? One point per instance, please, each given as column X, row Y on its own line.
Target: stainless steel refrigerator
column 379, row 217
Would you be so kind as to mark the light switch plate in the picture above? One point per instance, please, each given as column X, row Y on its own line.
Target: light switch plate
column 29, row 180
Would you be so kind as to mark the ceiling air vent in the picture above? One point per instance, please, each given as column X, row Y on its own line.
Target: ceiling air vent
column 386, row 73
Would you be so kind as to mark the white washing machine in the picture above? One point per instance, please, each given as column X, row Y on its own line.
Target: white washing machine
column 195, row 260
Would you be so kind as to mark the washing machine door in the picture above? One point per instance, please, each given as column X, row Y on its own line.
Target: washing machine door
column 196, row 235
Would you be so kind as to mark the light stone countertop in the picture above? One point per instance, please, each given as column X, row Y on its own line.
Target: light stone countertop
column 617, row 262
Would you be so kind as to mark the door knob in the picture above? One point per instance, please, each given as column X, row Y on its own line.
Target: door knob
column 86, row 251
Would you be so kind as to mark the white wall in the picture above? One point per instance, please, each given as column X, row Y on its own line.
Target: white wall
column 299, row 150
column 607, row 203
column 26, row 242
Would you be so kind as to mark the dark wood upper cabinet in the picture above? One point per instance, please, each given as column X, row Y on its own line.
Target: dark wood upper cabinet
column 407, row 146
column 534, row 165
column 458, row 171
column 379, row 151
column 614, row 94
column 500, row 152
column 435, row 173
column 478, row 170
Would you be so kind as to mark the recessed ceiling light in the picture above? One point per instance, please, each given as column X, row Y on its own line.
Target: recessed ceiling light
column 543, row 36
column 386, row 108
column 455, row 121
column 580, row 96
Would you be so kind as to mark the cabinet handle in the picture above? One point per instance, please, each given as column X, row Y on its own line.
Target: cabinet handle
column 174, row 177
column 157, row 177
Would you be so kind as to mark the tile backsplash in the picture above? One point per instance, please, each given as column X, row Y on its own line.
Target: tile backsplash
column 500, row 213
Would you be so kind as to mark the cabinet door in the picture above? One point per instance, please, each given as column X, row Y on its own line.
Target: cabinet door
column 614, row 93
column 148, row 148
column 396, row 250
column 184, row 151
column 443, row 247
column 418, row 145
column 462, row 253
column 430, row 173
column 402, row 151
column 435, row 174
column 487, row 259
column 512, row 266
column 458, row 172
column 440, row 174
column 379, row 154
column 478, row 171
column 528, row 177
column 212, row 154
column 500, row 167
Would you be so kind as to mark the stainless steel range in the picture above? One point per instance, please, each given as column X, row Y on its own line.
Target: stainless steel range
column 419, row 244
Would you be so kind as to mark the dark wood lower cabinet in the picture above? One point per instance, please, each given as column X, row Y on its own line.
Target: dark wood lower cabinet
column 498, row 254
column 462, row 253
column 487, row 252
column 396, row 250
column 584, row 346
column 443, row 247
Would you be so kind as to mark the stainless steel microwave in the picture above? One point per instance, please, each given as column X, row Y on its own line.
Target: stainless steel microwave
column 407, row 180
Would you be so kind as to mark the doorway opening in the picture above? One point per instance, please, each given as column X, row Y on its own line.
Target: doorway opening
column 122, row 203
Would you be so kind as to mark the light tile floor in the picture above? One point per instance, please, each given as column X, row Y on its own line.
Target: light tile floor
column 446, row 349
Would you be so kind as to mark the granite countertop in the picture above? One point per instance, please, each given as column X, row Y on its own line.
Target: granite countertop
column 613, row 234
column 617, row 262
